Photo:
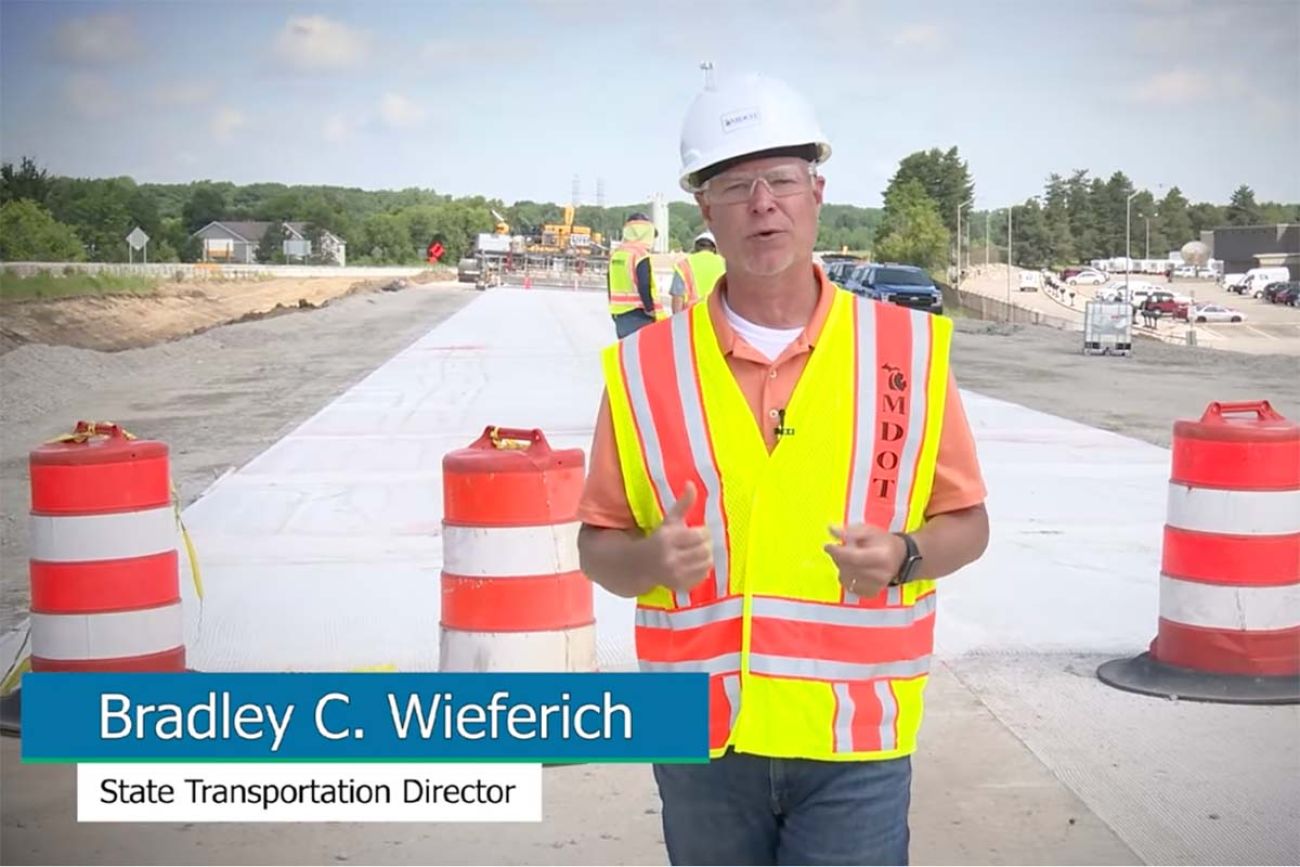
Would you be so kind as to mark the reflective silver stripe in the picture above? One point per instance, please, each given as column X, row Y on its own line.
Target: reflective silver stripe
column 827, row 669
column 888, row 713
column 919, row 376
column 864, row 339
column 654, row 455
column 895, row 596
column 731, row 685
column 688, row 618
column 701, row 453
column 834, row 614
column 843, row 719
column 715, row 665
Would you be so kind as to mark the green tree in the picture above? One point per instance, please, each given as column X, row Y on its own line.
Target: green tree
column 270, row 250
column 28, row 232
column 944, row 177
column 28, row 182
column 1205, row 216
column 206, row 203
column 1242, row 209
column 1175, row 221
column 1056, row 214
column 912, row 232
column 1030, row 240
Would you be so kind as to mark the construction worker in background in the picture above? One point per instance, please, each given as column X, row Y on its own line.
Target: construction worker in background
column 631, row 281
column 786, row 541
column 696, row 274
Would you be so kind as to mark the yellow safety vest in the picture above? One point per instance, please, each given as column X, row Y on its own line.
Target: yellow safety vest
column 700, row 272
column 623, row 294
column 798, row 667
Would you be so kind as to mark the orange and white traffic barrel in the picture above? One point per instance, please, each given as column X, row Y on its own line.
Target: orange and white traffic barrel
column 513, row 596
column 104, row 578
column 1229, row 624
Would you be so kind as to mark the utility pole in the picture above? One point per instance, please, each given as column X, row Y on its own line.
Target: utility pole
column 1010, row 208
column 987, row 247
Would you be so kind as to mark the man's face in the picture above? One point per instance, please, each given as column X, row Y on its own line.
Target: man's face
column 764, row 234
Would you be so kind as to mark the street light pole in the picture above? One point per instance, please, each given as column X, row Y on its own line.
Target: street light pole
column 960, row 208
column 1010, row 208
column 1128, row 239
column 988, row 213
column 1148, row 255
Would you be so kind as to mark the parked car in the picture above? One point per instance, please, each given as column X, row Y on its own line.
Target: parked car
column 1088, row 277
column 1185, row 271
column 905, row 285
column 837, row 271
column 1163, row 302
column 1234, row 282
column 1289, row 295
column 1211, row 313
column 1269, row 292
column 1067, row 273
column 1030, row 281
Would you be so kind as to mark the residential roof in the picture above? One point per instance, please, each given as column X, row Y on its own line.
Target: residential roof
column 253, row 230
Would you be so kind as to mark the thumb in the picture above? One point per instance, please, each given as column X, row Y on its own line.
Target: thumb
column 683, row 505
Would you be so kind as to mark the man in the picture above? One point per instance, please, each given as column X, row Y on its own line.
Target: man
column 778, row 476
column 631, row 282
column 697, row 273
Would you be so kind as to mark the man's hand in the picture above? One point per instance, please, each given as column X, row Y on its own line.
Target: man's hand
column 682, row 555
column 868, row 558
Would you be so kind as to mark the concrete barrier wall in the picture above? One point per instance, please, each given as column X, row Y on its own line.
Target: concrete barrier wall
column 984, row 307
column 197, row 272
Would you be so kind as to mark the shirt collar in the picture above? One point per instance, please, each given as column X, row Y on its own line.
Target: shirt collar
column 727, row 337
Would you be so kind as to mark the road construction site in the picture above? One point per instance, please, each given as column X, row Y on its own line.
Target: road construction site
column 306, row 451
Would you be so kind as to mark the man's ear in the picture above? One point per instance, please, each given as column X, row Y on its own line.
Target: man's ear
column 704, row 208
column 819, row 190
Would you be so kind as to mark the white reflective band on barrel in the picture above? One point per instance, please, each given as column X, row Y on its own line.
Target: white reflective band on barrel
column 113, row 635
column 550, row 549
column 689, row 618
column 112, row 536
column 645, row 422
column 1237, row 607
column 713, row 665
column 1234, row 513
column 918, row 400
column 701, row 452
column 864, row 340
column 831, row 670
column 834, row 614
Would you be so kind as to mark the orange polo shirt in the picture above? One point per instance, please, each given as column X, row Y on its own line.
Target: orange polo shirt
column 767, row 386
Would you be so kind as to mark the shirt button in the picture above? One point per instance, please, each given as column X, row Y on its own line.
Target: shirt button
column 773, row 414
column 772, row 373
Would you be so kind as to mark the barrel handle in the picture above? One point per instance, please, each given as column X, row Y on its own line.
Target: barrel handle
column 1262, row 409
column 495, row 437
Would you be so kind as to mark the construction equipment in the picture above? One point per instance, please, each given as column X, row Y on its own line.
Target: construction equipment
column 502, row 226
column 565, row 238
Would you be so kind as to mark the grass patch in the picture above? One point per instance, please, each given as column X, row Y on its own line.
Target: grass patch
column 76, row 285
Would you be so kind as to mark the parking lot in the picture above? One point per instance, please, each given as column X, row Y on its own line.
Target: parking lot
column 1266, row 329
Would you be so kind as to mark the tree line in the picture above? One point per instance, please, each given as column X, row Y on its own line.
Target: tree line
column 1076, row 219
column 52, row 218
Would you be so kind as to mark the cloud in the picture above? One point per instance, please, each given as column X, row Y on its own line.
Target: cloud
column 1174, row 87
column 337, row 128
column 91, row 97
column 314, row 43
column 399, row 112
column 181, row 94
column 919, row 36
column 226, row 122
column 449, row 51
column 97, row 40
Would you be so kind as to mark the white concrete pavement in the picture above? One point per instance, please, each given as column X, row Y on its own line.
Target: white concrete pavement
column 323, row 553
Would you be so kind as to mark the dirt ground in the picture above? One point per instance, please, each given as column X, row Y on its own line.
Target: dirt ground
column 176, row 310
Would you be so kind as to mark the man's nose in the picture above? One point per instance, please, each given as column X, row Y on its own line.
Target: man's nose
column 761, row 200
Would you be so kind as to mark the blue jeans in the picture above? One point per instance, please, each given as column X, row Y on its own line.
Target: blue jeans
column 743, row 809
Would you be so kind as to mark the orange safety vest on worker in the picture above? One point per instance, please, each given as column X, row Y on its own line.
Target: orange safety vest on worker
column 700, row 272
column 798, row 667
column 623, row 293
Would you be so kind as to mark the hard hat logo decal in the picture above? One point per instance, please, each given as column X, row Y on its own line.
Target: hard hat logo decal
column 740, row 119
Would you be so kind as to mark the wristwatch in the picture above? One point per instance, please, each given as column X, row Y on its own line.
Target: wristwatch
column 911, row 568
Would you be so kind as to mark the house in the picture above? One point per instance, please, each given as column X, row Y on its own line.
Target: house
column 237, row 241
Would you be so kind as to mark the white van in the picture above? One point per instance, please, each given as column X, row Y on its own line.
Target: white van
column 1030, row 281
column 1234, row 282
column 1258, row 278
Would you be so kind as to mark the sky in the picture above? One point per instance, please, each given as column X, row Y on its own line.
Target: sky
column 512, row 99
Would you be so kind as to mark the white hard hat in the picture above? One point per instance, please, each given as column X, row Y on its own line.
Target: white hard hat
column 706, row 235
column 746, row 115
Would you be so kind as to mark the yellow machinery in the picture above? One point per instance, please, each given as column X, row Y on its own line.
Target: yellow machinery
column 566, row 238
